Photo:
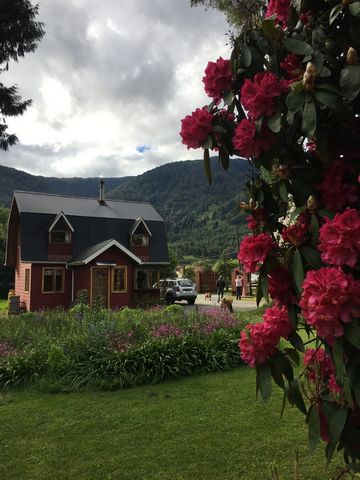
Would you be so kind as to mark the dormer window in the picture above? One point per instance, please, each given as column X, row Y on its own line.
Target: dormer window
column 140, row 234
column 61, row 230
column 139, row 240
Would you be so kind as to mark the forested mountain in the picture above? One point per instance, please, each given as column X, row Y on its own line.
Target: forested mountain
column 201, row 219
column 12, row 179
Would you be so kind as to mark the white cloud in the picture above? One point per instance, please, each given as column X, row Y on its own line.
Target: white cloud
column 109, row 77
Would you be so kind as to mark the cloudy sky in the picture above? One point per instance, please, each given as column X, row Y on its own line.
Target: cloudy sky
column 110, row 82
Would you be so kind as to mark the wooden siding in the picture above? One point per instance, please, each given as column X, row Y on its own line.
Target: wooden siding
column 41, row 300
column 141, row 252
column 20, row 282
column 59, row 252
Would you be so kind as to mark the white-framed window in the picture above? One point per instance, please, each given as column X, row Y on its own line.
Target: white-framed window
column 53, row 280
column 119, row 280
column 139, row 240
column 27, row 280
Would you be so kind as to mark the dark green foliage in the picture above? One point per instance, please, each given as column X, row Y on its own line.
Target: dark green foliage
column 19, row 34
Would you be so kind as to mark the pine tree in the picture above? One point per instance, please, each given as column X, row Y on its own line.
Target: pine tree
column 19, row 34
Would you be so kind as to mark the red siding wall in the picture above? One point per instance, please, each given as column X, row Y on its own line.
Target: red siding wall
column 20, row 281
column 59, row 252
column 114, row 255
column 48, row 300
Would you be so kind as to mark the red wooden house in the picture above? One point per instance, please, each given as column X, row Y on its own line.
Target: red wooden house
column 59, row 245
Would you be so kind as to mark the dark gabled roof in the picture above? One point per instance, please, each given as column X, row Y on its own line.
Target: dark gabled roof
column 95, row 250
column 29, row 202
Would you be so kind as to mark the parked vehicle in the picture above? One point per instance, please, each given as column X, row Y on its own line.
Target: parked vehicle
column 177, row 289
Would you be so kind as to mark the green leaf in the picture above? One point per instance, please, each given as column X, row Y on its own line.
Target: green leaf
column 294, row 396
column 354, row 9
column 276, row 374
column 274, row 122
column 314, row 227
column 338, row 358
column 224, row 158
column 297, row 46
column 228, row 97
column 336, row 426
column 357, row 388
column 218, row 128
column 296, row 341
column 207, row 167
column 268, row 27
column 329, row 99
column 312, row 257
column 296, row 213
column 352, row 333
column 245, row 54
column 350, row 82
column 264, row 379
column 295, row 100
column 335, row 12
column 283, row 364
column 308, row 126
column 314, row 427
column 297, row 270
column 263, row 279
column 259, row 293
column 293, row 317
column 208, row 143
column 293, row 355
column 283, row 192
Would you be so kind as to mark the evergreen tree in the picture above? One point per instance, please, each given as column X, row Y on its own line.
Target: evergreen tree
column 19, row 34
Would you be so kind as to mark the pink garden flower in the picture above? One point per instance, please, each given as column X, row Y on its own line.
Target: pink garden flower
column 254, row 250
column 218, row 78
column 246, row 141
column 335, row 190
column 260, row 341
column 280, row 8
column 330, row 299
column 196, row 127
column 320, row 369
column 340, row 239
column 258, row 95
column 280, row 286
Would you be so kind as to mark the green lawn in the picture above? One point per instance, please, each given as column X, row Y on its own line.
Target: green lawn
column 3, row 305
column 200, row 428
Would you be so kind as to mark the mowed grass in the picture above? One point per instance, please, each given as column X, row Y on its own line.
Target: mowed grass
column 208, row 427
column 3, row 305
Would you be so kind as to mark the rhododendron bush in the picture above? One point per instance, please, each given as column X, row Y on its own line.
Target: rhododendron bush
column 287, row 102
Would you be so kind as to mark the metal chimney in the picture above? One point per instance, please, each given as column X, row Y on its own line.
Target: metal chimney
column 102, row 190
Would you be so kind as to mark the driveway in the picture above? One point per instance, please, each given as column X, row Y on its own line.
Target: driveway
column 248, row 303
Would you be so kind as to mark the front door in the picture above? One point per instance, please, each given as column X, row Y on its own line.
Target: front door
column 100, row 285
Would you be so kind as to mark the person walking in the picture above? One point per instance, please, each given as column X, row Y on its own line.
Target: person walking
column 238, row 285
column 220, row 285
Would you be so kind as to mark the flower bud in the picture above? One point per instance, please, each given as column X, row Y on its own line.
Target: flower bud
column 352, row 56
column 244, row 206
column 312, row 203
column 252, row 204
column 283, row 172
column 346, row 2
column 309, row 77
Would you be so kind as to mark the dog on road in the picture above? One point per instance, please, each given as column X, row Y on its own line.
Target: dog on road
column 227, row 303
column 208, row 296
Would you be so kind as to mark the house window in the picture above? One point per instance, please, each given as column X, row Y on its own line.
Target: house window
column 145, row 279
column 53, row 280
column 60, row 236
column 139, row 240
column 27, row 279
column 119, row 280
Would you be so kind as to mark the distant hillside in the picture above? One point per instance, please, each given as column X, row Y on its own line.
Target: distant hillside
column 12, row 179
column 201, row 219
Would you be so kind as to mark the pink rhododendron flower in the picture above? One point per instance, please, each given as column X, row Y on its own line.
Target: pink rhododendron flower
column 320, row 369
column 330, row 299
column 306, row 17
column 254, row 250
column 247, row 143
column 196, row 127
column 335, row 191
column 258, row 95
column 257, row 219
column 280, row 8
column 259, row 342
column 280, row 286
column 340, row 239
column 292, row 66
column 218, row 78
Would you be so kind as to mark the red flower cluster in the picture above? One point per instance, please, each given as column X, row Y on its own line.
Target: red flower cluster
column 196, row 127
column 280, row 8
column 293, row 67
column 257, row 219
column 247, row 143
column 335, row 192
column 259, row 341
column 340, row 239
column 330, row 298
column 295, row 234
column 258, row 96
column 218, row 78
column 320, row 369
column 254, row 250
column 280, row 286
